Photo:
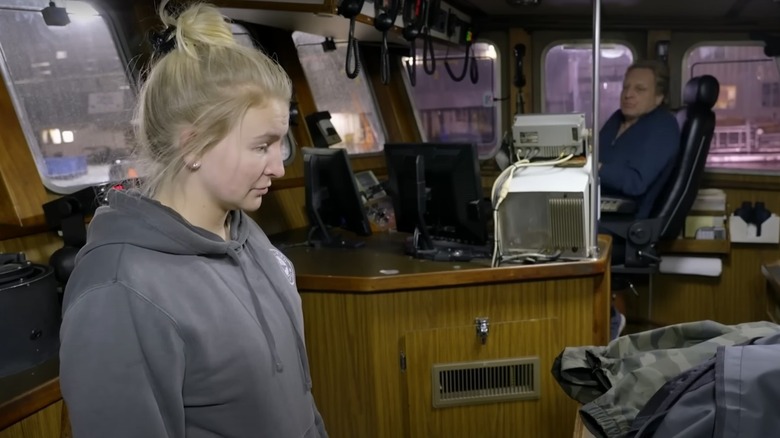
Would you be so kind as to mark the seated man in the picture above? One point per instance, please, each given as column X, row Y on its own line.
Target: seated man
column 637, row 147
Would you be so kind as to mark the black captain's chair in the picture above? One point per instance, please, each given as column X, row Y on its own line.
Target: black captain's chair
column 667, row 218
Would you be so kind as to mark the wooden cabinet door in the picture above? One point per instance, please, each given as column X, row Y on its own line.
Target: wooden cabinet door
column 475, row 381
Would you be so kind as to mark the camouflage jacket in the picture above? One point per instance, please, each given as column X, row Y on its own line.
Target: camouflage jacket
column 614, row 382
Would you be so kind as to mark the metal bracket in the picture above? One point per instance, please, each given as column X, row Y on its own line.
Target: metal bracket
column 483, row 327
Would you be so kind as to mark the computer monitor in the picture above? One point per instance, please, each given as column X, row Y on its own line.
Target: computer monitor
column 454, row 203
column 332, row 198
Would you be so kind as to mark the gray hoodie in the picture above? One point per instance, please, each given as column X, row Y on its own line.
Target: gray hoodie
column 169, row 331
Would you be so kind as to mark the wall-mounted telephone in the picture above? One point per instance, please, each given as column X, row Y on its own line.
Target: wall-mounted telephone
column 322, row 132
column 413, row 18
column 350, row 8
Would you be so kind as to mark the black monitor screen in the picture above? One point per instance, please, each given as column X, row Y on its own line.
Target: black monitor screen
column 332, row 198
column 453, row 186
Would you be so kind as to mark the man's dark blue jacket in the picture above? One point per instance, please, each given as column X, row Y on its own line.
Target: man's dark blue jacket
column 638, row 163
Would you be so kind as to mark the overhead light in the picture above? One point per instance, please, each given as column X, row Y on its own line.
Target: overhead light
column 612, row 52
column 491, row 52
column 67, row 136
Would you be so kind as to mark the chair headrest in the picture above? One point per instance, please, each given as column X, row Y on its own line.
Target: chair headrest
column 701, row 90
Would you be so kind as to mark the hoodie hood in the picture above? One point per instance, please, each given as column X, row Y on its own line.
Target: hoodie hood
column 133, row 219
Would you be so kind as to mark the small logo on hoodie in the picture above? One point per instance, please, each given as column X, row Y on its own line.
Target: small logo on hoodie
column 285, row 265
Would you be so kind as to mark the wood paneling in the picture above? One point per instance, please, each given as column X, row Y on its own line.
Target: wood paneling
column 46, row 423
column 738, row 295
column 37, row 247
column 356, row 327
column 21, row 191
column 31, row 404
column 352, row 341
column 739, row 181
column 364, row 270
column 281, row 211
column 533, row 338
column 693, row 246
column 580, row 431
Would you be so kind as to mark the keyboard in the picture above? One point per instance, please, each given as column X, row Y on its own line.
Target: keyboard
column 448, row 250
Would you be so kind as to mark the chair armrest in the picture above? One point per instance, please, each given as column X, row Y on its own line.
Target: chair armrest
column 618, row 205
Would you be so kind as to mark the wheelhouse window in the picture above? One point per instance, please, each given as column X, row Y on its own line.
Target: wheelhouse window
column 568, row 75
column 351, row 103
column 747, row 131
column 70, row 89
column 462, row 103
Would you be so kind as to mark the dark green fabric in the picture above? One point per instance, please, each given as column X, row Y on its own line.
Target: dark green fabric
column 614, row 382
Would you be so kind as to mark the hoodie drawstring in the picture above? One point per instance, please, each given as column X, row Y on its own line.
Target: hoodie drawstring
column 278, row 366
column 269, row 337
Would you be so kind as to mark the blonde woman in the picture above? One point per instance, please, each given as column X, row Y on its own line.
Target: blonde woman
column 181, row 319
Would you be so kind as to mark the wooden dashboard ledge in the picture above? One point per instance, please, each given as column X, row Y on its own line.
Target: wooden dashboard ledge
column 28, row 392
column 382, row 266
column 693, row 246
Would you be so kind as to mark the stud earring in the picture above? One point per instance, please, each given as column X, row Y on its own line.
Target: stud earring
column 194, row 166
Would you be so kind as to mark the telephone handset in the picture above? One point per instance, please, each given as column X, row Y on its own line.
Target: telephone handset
column 349, row 9
column 414, row 18
column 414, row 15
column 385, row 13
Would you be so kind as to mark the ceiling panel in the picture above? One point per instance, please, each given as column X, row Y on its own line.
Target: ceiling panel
column 673, row 9
column 763, row 9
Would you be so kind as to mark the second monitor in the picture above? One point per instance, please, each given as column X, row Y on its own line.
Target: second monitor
column 332, row 199
column 453, row 204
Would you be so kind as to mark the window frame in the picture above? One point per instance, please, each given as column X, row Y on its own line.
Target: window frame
column 685, row 77
column 685, row 72
column 371, row 92
column 498, row 97
column 577, row 41
column 31, row 137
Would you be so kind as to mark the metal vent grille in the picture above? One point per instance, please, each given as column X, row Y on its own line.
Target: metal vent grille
column 546, row 152
column 485, row 382
column 566, row 230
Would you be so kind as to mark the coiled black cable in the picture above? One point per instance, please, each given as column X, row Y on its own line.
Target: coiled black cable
column 352, row 52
